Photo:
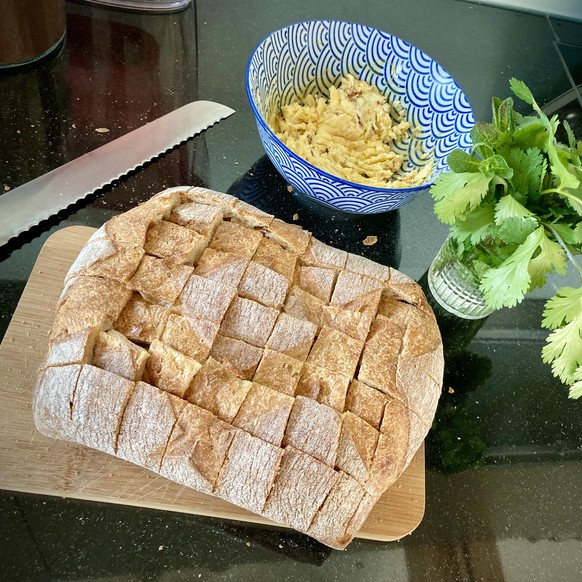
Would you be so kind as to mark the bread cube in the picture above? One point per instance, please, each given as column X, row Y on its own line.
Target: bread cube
column 273, row 256
column 394, row 411
column 205, row 299
column 250, row 216
column 101, row 257
column 241, row 357
column 193, row 336
column 169, row 196
column 231, row 237
column 417, row 384
column 217, row 389
column 174, row 243
column 316, row 281
column 115, row 353
column 263, row 285
column 301, row 487
column 206, row 196
column 380, row 356
column 366, row 402
column 197, row 449
column 76, row 348
column 394, row 309
column 248, row 472
column 290, row 236
column 202, row 218
column 249, row 321
column 422, row 337
column 52, row 401
column 141, row 322
column 224, row 268
column 407, row 290
column 356, row 447
column 292, row 337
column 302, row 305
column 264, row 414
column 352, row 323
column 336, row 351
column 98, row 406
column 357, row 293
column 331, row 524
column 319, row 254
column 169, row 369
column 278, row 371
column 314, row 429
column 147, row 424
column 324, row 385
column 88, row 302
column 364, row 266
column 388, row 461
column 393, row 442
column 159, row 281
column 130, row 228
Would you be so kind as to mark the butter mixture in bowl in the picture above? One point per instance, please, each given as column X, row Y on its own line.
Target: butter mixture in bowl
column 351, row 135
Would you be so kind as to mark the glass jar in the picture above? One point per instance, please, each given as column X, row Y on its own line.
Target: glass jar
column 456, row 287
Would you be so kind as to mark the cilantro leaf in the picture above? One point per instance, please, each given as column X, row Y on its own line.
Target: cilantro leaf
column 578, row 233
column 457, row 194
column 574, row 195
column 476, row 225
column 515, row 220
column 531, row 132
column 515, row 230
column 506, row 285
column 563, row 350
column 551, row 256
column 576, row 388
column 529, row 168
column 509, row 207
column 566, row 233
column 565, row 178
column 563, row 307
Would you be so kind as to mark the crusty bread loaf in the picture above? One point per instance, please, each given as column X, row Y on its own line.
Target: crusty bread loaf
column 234, row 353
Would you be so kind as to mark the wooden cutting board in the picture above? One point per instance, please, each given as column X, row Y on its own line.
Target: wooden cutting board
column 33, row 463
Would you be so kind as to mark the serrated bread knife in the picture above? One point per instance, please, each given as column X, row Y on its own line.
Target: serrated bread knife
column 46, row 195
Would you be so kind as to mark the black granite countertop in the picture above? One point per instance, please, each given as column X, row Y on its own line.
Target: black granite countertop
column 504, row 457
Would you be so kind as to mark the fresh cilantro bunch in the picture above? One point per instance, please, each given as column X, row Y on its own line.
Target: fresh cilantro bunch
column 515, row 209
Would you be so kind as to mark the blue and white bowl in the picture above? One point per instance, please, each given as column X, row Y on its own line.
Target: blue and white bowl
column 308, row 57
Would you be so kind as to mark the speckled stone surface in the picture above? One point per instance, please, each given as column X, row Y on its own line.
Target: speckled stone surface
column 504, row 457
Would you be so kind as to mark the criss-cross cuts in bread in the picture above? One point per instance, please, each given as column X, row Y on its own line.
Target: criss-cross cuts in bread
column 229, row 351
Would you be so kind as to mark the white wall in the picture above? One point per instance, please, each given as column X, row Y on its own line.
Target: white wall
column 571, row 9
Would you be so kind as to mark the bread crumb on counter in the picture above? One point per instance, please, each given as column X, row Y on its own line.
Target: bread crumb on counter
column 370, row 241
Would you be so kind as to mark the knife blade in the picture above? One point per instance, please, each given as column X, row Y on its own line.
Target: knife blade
column 26, row 205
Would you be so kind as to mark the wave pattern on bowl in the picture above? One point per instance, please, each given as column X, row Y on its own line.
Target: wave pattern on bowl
column 310, row 56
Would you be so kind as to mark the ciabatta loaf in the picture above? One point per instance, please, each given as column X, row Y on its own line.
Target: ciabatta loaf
column 234, row 353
